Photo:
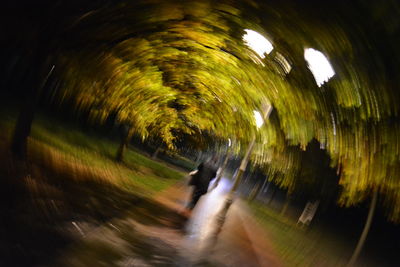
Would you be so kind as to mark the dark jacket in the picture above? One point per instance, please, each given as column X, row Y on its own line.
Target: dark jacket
column 201, row 180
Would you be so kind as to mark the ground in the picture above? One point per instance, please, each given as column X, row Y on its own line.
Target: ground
column 72, row 204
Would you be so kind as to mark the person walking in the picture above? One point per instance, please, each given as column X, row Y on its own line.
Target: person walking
column 200, row 181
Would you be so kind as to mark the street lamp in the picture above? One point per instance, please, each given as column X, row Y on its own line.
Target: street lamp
column 257, row 42
column 259, row 122
column 259, row 119
column 318, row 65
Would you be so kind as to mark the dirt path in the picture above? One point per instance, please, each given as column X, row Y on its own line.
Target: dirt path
column 155, row 234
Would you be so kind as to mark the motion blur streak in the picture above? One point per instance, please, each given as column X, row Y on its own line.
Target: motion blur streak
column 108, row 107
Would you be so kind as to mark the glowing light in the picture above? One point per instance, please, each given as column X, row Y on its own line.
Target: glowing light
column 229, row 142
column 259, row 119
column 257, row 42
column 318, row 65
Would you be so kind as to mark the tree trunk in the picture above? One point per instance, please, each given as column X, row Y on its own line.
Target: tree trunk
column 155, row 154
column 221, row 216
column 243, row 166
column 265, row 183
column 365, row 231
column 38, row 56
column 286, row 205
column 120, row 151
column 125, row 138
column 254, row 192
column 221, row 171
column 257, row 190
column 237, row 179
column 272, row 196
column 34, row 85
column 23, row 129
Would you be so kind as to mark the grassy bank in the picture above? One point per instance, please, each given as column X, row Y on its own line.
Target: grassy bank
column 70, row 185
column 70, row 145
column 301, row 246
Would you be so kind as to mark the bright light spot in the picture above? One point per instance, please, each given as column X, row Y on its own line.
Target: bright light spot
column 257, row 42
column 259, row 119
column 229, row 142
column 319, row 66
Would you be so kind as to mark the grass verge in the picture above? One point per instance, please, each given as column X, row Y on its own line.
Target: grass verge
column 301, row 246
column 97, row 153
column 69, row 186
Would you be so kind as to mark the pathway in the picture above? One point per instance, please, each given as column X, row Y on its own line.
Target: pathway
column 155, row 234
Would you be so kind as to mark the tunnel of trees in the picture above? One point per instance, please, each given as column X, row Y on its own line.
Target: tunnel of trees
column 180, row 73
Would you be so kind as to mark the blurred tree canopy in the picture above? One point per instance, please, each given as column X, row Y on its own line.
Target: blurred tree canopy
column 174, row 69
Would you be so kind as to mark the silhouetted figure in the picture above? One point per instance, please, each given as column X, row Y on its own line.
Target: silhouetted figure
column 200, row 181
